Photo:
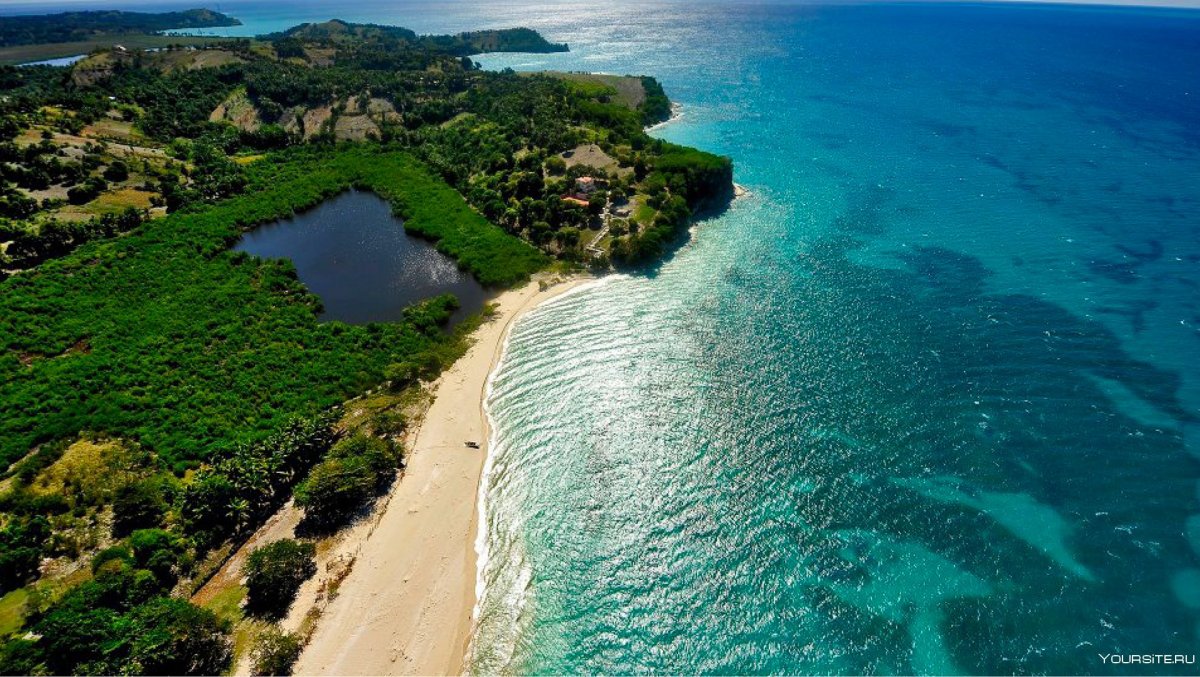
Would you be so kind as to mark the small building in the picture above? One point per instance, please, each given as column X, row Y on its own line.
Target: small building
column 586, row 184
column 623, row 212
column 575, row 200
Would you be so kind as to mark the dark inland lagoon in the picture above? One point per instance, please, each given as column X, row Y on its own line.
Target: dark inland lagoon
column 353, row 253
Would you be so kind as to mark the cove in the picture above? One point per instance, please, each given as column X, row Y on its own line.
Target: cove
column 353, row 253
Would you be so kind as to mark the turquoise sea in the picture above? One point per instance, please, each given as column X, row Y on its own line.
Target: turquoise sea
column 926, row 401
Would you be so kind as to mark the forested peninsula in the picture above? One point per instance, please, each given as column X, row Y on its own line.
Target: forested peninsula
column 80, row 26
column 161, row 396
column 51, row 36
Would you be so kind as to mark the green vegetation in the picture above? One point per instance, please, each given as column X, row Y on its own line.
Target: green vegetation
column 228, row 497
column 191, row 348
column 656, row 107
column 681, row 180
column 81, row 26
column 356, row 470
column 434, row 211
column 199, row 354
column 275, row 652
column 56, row 499
column 157, row 551
column 373, row 37
column 274, row 573
column 120, row 622
column 12, row 611
column 140, row 505
column 21, row 543
column 642, row 94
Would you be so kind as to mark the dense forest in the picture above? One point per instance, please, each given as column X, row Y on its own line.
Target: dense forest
column 161, row 396
column 371, row 37
column 80, row 26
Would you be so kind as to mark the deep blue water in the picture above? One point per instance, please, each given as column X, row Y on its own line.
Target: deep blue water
column 926, row 401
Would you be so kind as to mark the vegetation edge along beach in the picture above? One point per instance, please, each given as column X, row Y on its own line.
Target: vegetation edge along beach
column 193, row 459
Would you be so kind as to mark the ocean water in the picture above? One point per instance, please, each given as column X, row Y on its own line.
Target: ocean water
column 926, row 401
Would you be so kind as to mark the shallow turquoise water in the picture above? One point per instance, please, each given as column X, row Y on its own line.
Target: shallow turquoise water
column 921, row 403
column 925, row 401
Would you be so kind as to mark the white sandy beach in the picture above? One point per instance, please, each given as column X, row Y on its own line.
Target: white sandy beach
column 406, row 607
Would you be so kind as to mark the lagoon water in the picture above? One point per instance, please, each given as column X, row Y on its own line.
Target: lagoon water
column 354, row 254
column 926, row 401
column 61, row 61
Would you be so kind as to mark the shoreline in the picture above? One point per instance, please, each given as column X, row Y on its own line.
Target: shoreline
column 408, row 605
column 676, row 116
column 481, row 541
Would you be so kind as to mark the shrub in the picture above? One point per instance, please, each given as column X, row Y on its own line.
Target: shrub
column 21, row 544
column 224, row 498
column 87, row 191
column 147, row 542
column 117, row 171
column 355, row 471
column 381, row 456
column 389, row 423
column 157, row 551
column 274, row 573
column 402, row 374
column 71, row 636
column 275, row 652
column 20, row 657
column 176, row 637
column 139, row 505
column 114, row 554
column 334, row 491
column 118, row 623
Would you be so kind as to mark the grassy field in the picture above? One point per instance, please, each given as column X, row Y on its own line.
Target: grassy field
column 12, row 611
column 625, row 89
column 108, row 129
column 57, row 50
column 110, row 202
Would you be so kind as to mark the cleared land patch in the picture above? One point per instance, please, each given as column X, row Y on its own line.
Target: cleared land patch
column 625, row 89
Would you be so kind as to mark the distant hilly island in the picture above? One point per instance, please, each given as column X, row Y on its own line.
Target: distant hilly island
column 84, row 26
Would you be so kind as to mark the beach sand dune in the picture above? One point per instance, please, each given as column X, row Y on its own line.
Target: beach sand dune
column 405, row 609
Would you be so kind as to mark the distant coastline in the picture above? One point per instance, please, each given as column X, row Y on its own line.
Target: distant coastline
column 28, row 39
